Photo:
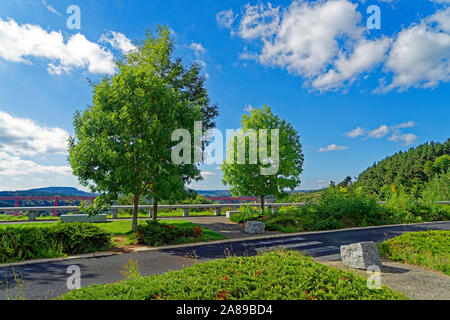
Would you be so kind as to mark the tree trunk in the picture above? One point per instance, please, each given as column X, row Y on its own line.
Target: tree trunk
column 135, row 212
column 262, row 205
column 155, row 210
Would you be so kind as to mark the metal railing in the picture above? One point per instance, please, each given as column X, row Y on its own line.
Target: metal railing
column 185, row 207
column 115, row 209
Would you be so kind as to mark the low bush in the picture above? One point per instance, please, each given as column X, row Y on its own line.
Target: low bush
column 247, row 213
column 429, row 249
column 154, row 233
column 287, row 275
column 339, row 207
column 19, row 243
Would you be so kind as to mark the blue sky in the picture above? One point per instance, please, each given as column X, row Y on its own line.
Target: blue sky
column 354, row 95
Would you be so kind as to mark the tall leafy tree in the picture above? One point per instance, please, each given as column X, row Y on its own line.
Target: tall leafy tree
column 122, row 143
column 258, row 178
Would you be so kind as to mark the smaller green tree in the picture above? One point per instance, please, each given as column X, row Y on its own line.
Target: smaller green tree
column 263, row 168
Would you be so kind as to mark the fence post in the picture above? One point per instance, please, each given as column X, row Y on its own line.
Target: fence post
column 150, row 213
column 218, row 211
column 185, row 212
column 32, row 216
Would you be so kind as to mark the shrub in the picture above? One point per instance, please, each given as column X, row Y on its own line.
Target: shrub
column 80, row 237
column 153, row 233
column 25, row 243
column 247, row 213
column 35, row 242
column 429, row 249
column 402, row 207
column 287, row 275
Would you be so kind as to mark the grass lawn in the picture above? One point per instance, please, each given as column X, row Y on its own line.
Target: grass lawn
column 288, row 275
column 122, row 234
column 430, row 249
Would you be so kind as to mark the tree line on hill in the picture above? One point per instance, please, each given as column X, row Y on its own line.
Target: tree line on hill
column 410, row 169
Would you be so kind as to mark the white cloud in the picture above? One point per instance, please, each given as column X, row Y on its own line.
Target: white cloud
column 50, row 7
column 118, row 41
column 420, row 56
column 248, row 108
column 366, row 54
column 333, row 147
column 207, row 174
column 381, row 132
column 225, row 18
column 259, row 21
column 20, row 136
column 305, row 39
column 13, row 166
column 355, row 132
column 326, row 43
column 197, row 48
column 18, row 43
column 409, row 124
column 406, row 139
column 384, row 130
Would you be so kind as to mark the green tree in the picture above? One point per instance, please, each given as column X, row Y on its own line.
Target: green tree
column 266, row 175
column 122, row 143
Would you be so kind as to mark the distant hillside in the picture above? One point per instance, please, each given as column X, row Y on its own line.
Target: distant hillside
column 43, row 192
column 413, row 167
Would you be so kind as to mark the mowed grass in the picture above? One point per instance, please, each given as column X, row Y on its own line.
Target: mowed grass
column 281, row 275
column 122, row 234
column 430, row 249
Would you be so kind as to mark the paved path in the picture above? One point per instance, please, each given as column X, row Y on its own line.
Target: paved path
column 48, row 280
column 222, row 225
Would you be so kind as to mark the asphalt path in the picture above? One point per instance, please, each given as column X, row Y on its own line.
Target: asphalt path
column 49, row 280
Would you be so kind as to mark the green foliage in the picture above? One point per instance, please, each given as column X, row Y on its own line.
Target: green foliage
column 429, row 249
column 153, row 233
column 337, row 208
column 249, row 178
column 285, row 275
column 403, row 207
column 412, row 168
column 79, row 238
column 18, row 243
column 247, row 213
column 122, row 143
column 438, row 188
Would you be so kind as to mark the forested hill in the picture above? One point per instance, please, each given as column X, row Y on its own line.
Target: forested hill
column 413, row 167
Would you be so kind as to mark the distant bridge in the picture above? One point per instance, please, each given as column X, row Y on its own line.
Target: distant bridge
column 55, row 199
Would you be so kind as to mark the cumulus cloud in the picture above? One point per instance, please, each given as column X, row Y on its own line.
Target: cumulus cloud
column 225, row 18
column 381, row 132
column 327, row 44
column 420, row 55
column 197, row 48
column 19, row 136
column 405, row 139
column 355, row 132
column 333, row 147
column 118, row 41
column 18, row 43
column 396, row 135
column 50, row 7
column 13, row 166
column 207, row 174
